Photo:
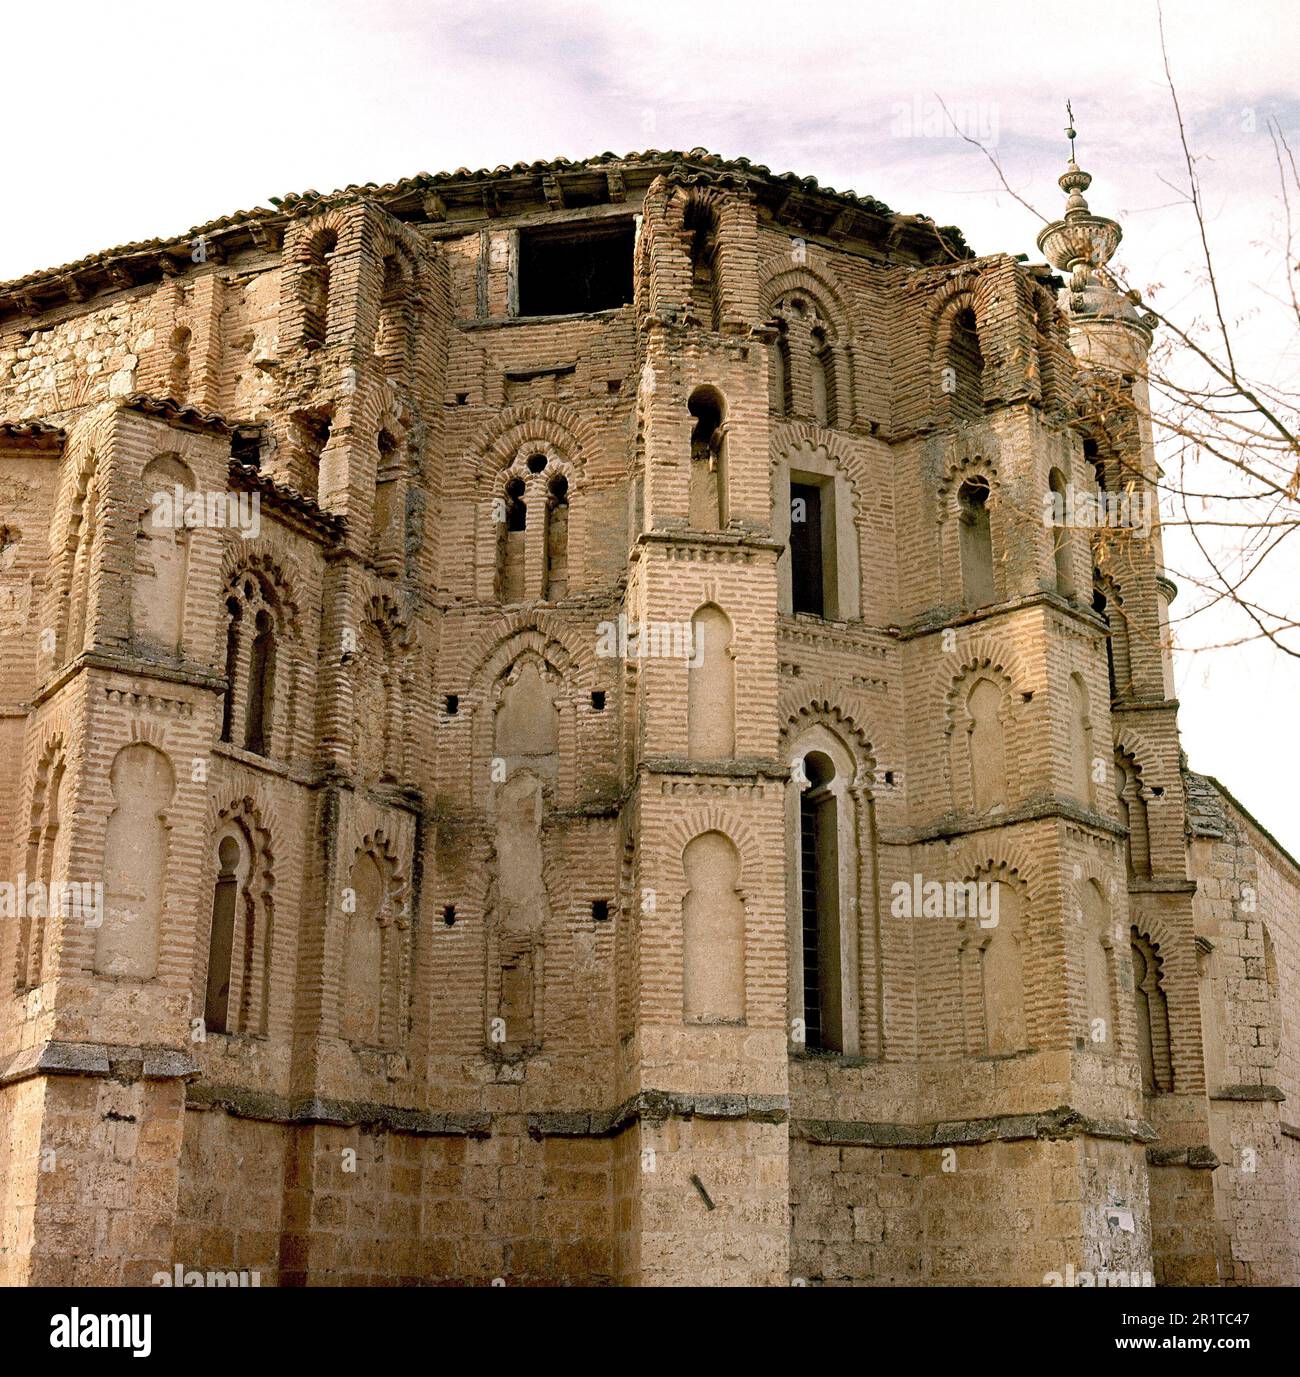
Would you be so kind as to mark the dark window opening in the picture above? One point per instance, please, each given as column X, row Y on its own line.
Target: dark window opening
column 600, row 910
column 232, row 667
column 221, row 940
column 449, row 915
column 555, row 576
column 598, row 700
column 965, row 379
column 975, row 540
column 246, row 446
column 806, row 571
column 570, row 270
column 261, row 682
column 516, row 508
column 819, row 895
column 453, row 704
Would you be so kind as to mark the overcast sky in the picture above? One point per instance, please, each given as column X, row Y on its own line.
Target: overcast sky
column 133, row 120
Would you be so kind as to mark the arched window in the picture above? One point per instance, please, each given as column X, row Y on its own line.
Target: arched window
column 975, row 539
column 819, row 895
column 821, row 363
column 555, row 579
column 963, row 368
column 782, row 380
column 1108, row 603
column 42, row 837
column 388, row 534
column 178, row 370
column 391, row 337
column 162, row 546
column 511, row 532
column 1133, row 814
column 805, row 377
column 711, row 691
column 701, row 225
column 234, row 612
column 315, row 288
column 1152, row 1012
column 221, row 939
column 708, row 481
column 261, row 686
column 1061, row 547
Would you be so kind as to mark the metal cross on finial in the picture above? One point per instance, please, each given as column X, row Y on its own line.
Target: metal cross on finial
column 1069, row 128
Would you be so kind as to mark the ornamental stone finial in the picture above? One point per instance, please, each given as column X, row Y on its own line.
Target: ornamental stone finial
column 1080, row 245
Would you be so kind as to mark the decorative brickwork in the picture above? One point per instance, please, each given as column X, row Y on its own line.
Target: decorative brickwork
column 640, row 793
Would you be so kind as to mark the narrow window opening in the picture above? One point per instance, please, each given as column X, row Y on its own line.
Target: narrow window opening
column 701, row 224
column 822, row 366
column 180, row 363
column 976, row 541
column 783, row 383
column 1152, row 1016
column 453, row 704
column 232, row 667
column 261, row 683
column 555, row 581
column 390, row 339
column 812, row 547
column 386, row 538
column 964, row 379
column 221, row 942
column 819, row 894
column 708, row 484
column 510, row 544
column 449, row 915
column 316, row 289
column 598, row 700
column 600, row 910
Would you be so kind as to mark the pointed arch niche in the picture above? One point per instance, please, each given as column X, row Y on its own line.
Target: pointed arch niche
column 128, row 940
column 376, row 956
column 713, row 931
column 162, row 556
column 711, row 687
column 980, row 722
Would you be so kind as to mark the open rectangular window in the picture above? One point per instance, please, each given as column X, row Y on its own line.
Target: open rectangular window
column 574, row 268
column 814, row 570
